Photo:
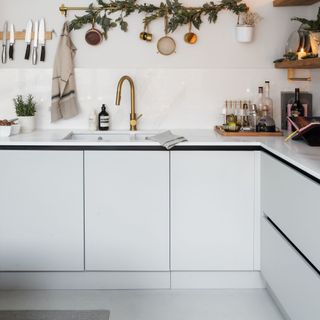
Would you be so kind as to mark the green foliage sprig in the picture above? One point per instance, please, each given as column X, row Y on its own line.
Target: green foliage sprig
column 310, row 25
column 178, row 15
column 25, row 108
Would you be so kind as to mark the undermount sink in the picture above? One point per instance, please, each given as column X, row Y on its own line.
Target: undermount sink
column 110, row 136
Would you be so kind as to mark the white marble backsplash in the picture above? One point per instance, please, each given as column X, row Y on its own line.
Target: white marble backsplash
column 167, row 98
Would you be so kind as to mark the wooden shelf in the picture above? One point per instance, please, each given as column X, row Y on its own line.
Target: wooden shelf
column 20, row 35
column 313, row 63
column 287, row 3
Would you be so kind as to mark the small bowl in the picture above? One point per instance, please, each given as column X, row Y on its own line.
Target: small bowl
column 5, row 131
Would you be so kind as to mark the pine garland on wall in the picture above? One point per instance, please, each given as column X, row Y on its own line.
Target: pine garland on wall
column 113, row 13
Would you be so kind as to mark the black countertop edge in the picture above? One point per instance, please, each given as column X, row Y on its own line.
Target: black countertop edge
column 159, row 148
column 134, row 148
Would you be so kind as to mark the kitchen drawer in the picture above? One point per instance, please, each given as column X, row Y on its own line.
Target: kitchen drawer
column 291, row 200
column 294, row 282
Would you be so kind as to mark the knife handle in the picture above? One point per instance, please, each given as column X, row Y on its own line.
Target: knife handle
column 11, row 50
column 34, row 56
column 43, row 53
column 27, row 55
column 4, row 54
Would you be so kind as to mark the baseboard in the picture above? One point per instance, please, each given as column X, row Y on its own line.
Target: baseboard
column 130, row 280
column 217, row 280
column 83, row 280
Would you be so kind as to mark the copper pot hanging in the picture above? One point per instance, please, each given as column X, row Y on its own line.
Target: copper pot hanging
column 94, row 36
column 190, row 37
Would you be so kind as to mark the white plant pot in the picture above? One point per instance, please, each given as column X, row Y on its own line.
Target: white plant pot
column 27, row 124
column 315, row 42
column 244, row 33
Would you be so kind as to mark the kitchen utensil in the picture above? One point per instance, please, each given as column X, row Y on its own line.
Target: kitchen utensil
column 190, row 37
column 42, row 40
column 94, row 36
column 12, row 41
column 4, row 43
column 293, row 43
column 166, row 45
column 145, row 35
column 35, row 43
column 27, row 39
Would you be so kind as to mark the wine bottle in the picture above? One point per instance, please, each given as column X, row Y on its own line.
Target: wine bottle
column 297, row 109
column 104, row 119
column 267, row 100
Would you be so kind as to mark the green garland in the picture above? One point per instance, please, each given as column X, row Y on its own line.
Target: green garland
column 178, row 15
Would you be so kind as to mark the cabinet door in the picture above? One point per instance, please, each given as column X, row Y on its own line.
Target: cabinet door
column 127, row 210
column 290, row 200
column 41, row 215
column 212, row 213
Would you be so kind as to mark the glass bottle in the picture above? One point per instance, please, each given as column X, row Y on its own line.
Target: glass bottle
column 252, row 117
column 265, row 123
column 104, row 119
column 267, row 100
column 260, row 101
column 297, row 109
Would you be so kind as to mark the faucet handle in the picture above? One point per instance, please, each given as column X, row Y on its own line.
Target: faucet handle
column 139, row 116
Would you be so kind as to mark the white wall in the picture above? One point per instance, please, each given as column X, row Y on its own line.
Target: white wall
column 184, row 90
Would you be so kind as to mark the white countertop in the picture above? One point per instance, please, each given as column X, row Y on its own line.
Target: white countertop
column 296, row 152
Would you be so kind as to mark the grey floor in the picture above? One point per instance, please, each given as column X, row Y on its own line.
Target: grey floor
column 253, row 304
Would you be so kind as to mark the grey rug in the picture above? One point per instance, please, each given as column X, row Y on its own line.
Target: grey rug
column 55, row 315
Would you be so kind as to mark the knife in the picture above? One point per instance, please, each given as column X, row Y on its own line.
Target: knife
column 27, row 39
column 11, row 47
column 35, row 43
column 42, row 39
column 4, row 43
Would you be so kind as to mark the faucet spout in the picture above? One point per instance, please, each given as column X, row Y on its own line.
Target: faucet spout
column 133, row 116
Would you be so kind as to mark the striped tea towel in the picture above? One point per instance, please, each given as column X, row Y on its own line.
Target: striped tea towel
column 63, row 101
column 167, row 139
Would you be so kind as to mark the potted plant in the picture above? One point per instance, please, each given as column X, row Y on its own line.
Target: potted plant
column 313, row 27
column 245, row 26
column 25, row 110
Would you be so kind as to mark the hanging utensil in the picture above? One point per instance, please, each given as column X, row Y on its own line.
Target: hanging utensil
column 145, row 35
column 94, row 36
column 35, row 43
column 190, row 37
column 27, row 39
column 12, row 41
column 4, row 43
column 42, row 40
column 166, row 45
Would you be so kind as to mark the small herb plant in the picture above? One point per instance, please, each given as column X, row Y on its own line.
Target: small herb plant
column 310, row 25
column 249, row 18
column 25, row 107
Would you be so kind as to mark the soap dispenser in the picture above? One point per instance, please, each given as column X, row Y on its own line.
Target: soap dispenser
column 104, row 119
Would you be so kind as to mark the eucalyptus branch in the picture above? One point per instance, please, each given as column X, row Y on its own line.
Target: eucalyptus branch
column 178, row 14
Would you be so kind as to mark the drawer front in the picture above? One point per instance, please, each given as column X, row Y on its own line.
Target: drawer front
column 291, row 200
column 292, row 279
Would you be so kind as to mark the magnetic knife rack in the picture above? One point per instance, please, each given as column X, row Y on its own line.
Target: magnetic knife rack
column 20, row 35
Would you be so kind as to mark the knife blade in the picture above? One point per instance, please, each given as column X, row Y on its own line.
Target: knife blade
column 35, row 43
column 12, row 41
column 4, row 43
column 27, row 39
column 42, row 39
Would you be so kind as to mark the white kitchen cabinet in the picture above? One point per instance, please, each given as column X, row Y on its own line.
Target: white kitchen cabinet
column 290, row 199
column 212, row 210
column 294, row 282
column 41, row 210
column 127, row 210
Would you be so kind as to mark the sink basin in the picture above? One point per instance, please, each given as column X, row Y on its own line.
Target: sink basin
column 110, row 136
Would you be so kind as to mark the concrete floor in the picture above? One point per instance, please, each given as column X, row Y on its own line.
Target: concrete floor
column 238, row 304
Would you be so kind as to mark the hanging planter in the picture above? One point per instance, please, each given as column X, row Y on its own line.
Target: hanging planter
column 245, row 26
column 244, row 33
